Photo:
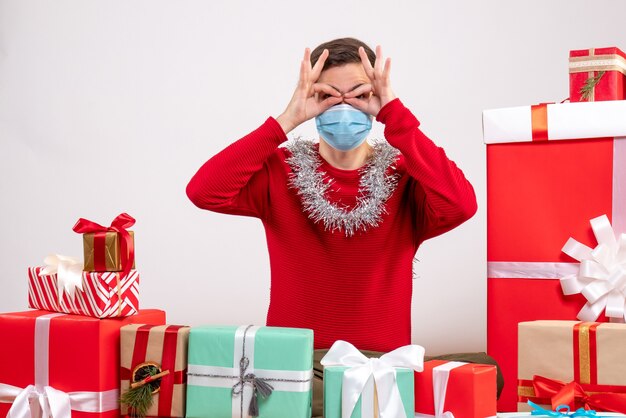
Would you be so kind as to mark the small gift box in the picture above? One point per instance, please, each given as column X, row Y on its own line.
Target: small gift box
column 465, row 390
column 62, row 286
column 156, row 356
column 597, row 74
column 550, row 169
column 108, row 248
column 578, row 364
column 357, row 387
column 249, row 371
column 64, row 366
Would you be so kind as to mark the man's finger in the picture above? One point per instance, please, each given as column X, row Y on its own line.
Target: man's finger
column 329, row 102
column 362, row 89
column 387, row 69
column 367, row 65
column 378, row 64
column 360, row 104
column 325, row 88
column 317, row 68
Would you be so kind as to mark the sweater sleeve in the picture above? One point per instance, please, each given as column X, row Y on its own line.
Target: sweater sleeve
column 443, row 198
column 236, row 180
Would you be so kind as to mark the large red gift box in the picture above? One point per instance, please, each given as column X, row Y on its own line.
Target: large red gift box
column 604, row 68
column 63, row 360
column 464, row 389
column 103, row 294
column 550, row 170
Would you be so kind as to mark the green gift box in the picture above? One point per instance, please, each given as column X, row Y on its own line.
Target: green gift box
column 333, row 382
column 232, row 369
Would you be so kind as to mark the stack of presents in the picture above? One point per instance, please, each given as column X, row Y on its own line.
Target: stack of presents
column 556, row 205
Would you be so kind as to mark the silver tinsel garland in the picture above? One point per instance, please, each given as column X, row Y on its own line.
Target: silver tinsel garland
column 312, row 184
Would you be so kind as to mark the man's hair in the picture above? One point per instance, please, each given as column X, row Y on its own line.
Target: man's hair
column 342, row 51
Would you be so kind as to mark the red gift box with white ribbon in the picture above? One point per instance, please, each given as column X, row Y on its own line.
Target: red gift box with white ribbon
column 551, row 169
column 53, row 364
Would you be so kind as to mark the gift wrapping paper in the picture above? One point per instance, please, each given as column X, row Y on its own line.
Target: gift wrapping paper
column 165, row 346
column 586, row 64
column 102, row 251
column 550, row 170
column 59, row 360
column 333, row 382
column 466, row 390
column 103, row 295
column 226, row 362
column 553, row 354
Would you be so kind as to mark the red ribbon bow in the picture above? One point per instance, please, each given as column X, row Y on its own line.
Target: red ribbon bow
column 119, row 225
column 574, row 395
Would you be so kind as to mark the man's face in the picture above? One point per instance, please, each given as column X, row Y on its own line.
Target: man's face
column 344, row 78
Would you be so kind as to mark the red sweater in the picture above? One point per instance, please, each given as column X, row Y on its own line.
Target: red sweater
column 355, row 288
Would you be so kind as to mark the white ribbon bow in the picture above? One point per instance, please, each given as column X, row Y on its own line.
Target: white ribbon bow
column 48, row 402
column 69, row 271
column 362, row 369
column 601, row 277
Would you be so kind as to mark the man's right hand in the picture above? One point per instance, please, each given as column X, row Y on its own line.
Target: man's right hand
column 306, row 102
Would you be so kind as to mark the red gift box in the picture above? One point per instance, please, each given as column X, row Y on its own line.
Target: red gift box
column 540, row 192
column 63, row 360
column 602, row 69
column 103, row 295
column 469, row 390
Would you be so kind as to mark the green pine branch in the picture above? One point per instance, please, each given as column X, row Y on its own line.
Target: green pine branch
column 587, row 90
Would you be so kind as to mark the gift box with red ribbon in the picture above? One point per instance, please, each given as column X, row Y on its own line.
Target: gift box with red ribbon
column 551, row 169
column 465, row 390
column 53, row 364
column 148, row 351
column 101, row 295
column 597, row 74
column 578, row 364
column 108, row 248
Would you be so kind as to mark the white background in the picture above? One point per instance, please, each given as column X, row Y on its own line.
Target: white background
column 111, row 106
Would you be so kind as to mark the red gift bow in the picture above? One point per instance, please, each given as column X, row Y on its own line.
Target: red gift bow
column 119, row 225
column 574, row 395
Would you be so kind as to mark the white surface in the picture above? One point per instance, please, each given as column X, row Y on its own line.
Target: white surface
column 111, row 106
column 565, row 121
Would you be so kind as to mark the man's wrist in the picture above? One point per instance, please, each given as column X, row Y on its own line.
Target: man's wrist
column 286, row 123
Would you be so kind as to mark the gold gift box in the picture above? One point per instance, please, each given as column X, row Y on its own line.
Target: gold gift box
column 112, row 252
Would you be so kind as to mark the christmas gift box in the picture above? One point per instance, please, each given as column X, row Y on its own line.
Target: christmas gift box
column 153, row 369
column 249, row 371
column 108, row 248
column 465, row 390
column 59, row 287
column 550, row 170
column 597, row 74
column 62, row 365
column 578, row 364
column 359, row 387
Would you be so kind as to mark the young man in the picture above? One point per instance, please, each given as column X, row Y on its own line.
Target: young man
column 343, row 218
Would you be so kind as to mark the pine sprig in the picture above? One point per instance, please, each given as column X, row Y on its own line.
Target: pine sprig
column 139, row 399
column 590, row 84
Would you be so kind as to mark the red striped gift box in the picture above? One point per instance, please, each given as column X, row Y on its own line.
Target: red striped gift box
column 103, row 294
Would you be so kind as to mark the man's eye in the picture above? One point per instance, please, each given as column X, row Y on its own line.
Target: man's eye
column 325, row 96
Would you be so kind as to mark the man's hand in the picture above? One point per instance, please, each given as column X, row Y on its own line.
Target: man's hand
column 304, row 103
column 370, row 98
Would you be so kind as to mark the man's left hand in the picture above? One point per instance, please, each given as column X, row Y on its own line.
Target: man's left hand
column 370, row 98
